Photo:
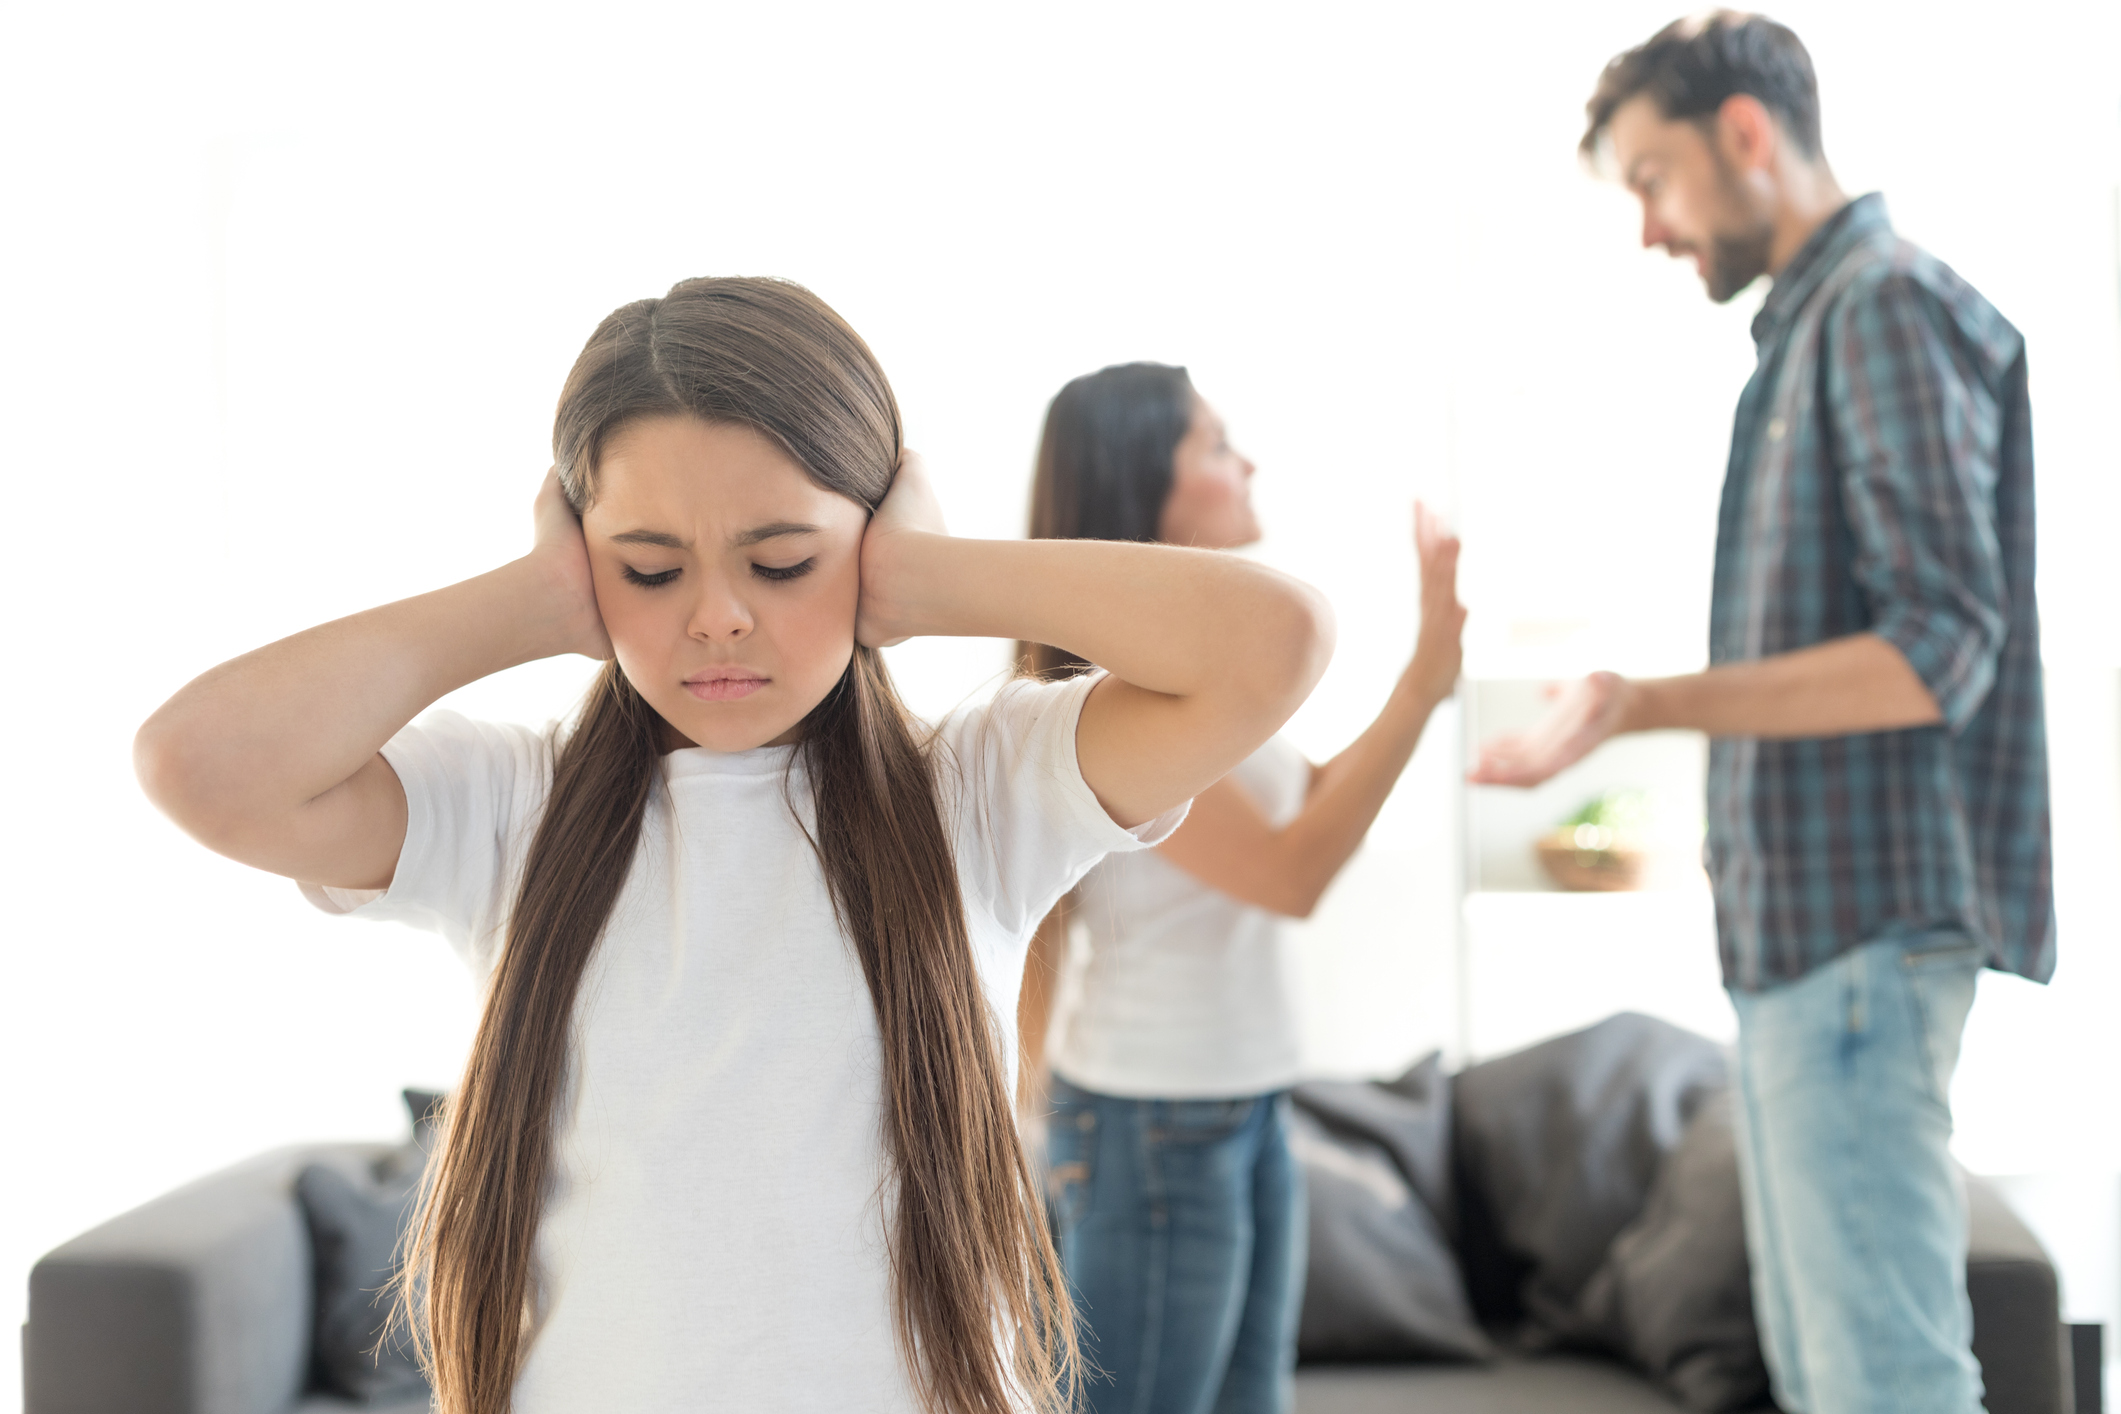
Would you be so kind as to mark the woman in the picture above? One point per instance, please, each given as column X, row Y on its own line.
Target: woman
column 1179, row 1208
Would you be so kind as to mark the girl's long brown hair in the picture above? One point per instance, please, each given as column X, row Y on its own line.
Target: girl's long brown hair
column 981, row 1309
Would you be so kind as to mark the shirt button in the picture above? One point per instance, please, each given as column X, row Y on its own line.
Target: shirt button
column 1774, row 429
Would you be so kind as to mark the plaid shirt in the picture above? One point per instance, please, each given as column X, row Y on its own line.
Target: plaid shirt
column 1881, row 480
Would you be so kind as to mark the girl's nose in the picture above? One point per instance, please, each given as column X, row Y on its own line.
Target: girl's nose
column 719, row 614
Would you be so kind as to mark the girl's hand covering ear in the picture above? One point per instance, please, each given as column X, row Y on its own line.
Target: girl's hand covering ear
column 1438, row 653
column 909, row 510
column 564, row 556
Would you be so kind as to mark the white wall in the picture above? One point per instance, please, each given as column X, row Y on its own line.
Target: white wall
column 288, row 295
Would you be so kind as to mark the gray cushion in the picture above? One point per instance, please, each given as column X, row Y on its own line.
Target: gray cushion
column 357, row 1215
column 1557, row 1146
column 356, row 1225
column 1674, row 1294
column 1383, row 1280
column 424, row 1108
column 1410, row 1116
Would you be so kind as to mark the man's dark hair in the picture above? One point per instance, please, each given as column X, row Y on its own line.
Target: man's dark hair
column 1692, row 65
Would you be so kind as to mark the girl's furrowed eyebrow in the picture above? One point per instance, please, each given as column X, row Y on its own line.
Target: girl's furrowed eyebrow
column 651, row 537
column 773, row 531
column 756, row 535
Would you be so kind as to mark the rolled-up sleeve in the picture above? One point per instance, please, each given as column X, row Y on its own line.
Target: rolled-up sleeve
column 1919, row 438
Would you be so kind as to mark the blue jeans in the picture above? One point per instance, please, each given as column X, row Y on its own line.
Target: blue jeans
column 1181, row 1226
column 1855, row 1217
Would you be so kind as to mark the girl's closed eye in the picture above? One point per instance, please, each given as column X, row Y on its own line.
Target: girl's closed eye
column 647, row 581
column 778, row 573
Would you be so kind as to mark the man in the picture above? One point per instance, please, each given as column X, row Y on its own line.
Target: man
column 1877, row 791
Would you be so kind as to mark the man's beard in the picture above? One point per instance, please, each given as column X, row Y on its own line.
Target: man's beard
column 1736, row 259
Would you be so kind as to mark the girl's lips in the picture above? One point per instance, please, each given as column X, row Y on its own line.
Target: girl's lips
column 719, row 685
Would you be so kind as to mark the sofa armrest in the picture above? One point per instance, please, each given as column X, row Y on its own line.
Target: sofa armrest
column 2019, row 1337
column 198, row 1302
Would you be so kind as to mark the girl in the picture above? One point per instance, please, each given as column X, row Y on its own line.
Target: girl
column 1179, row 1207
column 735, row 1129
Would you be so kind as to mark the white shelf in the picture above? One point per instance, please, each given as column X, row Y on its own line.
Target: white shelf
column 1535, row 961
column 1502, row 824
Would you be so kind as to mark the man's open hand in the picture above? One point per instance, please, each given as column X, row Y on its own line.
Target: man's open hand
column 1584, row 714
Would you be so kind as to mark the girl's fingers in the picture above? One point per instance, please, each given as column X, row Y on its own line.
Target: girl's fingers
column 551, row 513
column 911, row 502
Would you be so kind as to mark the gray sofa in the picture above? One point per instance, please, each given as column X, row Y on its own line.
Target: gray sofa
column 200, row 1303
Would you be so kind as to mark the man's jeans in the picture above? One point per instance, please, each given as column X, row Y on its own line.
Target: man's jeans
column 1181, row 1226
column 1855, row 1217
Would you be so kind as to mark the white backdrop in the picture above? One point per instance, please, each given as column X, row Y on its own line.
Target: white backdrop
column 287, row 299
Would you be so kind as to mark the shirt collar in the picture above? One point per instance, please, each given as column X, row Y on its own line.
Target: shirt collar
column 1818, row 256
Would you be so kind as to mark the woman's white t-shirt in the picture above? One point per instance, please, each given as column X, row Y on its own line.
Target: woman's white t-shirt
column 1185, row 992
column 714, row 1231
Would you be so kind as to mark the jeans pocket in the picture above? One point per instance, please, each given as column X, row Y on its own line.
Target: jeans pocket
column 1202, row 1121
column 1071, row 1161
column 1945, row 952
column 1941, row 980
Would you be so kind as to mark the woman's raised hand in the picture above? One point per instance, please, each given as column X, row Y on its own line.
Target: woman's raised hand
column 560, row 551
column 909, row 510
column 1438, row 654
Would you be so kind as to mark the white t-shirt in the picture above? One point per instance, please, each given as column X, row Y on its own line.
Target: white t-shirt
column 1185, row 993
column 714, row 1233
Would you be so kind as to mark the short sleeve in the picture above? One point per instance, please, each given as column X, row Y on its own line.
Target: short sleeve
column 473, row 795
column 1919, row 441
column 1027, row 824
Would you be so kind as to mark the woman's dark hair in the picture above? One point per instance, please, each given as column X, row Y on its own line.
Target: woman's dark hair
column 1104, row 469
column 1692, row 65
column 981, row 1309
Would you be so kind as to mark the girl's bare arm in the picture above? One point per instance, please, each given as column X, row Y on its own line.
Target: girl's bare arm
column 272, row 758
column 1208, row 653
